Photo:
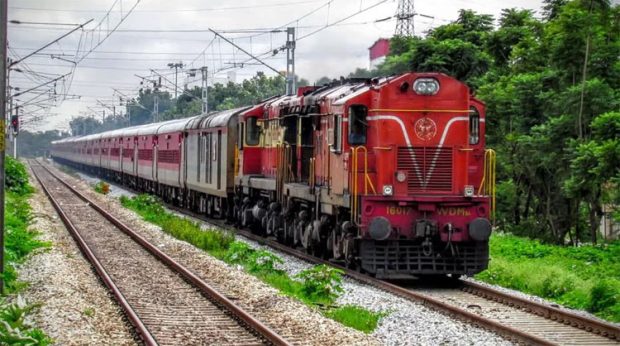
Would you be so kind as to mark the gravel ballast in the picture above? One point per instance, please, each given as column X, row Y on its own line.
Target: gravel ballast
column 292, row 319
column 75, row 309
column 406, row 323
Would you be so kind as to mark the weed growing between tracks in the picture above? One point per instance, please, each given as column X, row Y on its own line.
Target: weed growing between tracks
column 19, row 243
column 318, row 286
column 102, row 187
column 586, row 277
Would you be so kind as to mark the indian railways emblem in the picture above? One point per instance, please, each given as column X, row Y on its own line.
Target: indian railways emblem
column 425, row 129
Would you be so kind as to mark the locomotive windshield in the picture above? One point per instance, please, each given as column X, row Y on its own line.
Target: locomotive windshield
column 252, row 132
column 357, row 124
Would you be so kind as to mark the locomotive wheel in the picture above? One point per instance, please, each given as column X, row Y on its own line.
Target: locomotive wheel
column 289, row 232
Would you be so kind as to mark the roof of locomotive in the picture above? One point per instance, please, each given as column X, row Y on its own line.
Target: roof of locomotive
column 214, row 119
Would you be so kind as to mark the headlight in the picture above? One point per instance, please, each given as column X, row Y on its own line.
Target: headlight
column 401, row 176
column 426, row 86
column 469, row 190
column 388, row 190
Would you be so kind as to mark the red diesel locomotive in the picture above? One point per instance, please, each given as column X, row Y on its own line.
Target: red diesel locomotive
column 389, row 175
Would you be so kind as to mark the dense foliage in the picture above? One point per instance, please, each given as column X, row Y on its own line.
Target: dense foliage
column 20, row 241
column 585, row 277
column 552, row 90
column 36, row 144
column 140, row 110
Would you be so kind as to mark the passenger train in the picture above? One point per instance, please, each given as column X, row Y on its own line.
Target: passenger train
column 389, row 175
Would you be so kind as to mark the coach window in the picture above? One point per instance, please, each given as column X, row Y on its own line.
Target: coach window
column 358, row 127
column 252, row 131
column 474, row 126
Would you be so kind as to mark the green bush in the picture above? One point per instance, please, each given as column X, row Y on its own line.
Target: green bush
column 16, row 177
column 102, row 187
column 238, row 252
column 322, row 282
column 20, row 241
column 263, row 261
column 586, row 277
column 605, row 295
column 13, row 328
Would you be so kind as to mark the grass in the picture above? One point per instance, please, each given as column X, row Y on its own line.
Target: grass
column 20, row 242
column 90, row 312
column 354, row 317
column 102, row 187
column 586, row 277
column 316, row 287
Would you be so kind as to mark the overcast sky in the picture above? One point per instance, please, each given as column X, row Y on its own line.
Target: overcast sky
column 158, row 32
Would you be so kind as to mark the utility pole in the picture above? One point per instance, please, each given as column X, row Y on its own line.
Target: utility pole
column 3, row 89
column 15, row 134
column 205, row 86
column 290, row 61
column 156, row 108
column 404, row 16
column 176, row 66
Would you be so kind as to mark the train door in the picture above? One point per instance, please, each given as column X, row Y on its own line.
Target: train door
column 305, row 146
column 218, row 157
column 208, row 158
column 199, row 155
column 154, row 142
column 289, row 124
column 239, row 146
column 337, row 175
column 134, row 157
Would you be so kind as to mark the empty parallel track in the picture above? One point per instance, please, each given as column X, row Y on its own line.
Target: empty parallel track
column 165, row 302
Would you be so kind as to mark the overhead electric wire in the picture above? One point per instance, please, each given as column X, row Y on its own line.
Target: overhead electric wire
column 290, row 3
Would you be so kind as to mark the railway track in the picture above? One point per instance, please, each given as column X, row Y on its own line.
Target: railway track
column 164, row 302
column 511, row 316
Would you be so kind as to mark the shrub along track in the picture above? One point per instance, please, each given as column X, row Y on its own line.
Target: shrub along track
column 163, row 300
column 511, row 316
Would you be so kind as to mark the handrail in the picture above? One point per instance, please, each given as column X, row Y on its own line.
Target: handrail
column 311, row 173
column 236, row 163
column 487, row 185
column 367, row 180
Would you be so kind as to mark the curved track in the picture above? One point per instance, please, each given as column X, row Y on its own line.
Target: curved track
column 163, row 300
column 511, row 316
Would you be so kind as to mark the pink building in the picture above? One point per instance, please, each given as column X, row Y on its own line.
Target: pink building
column 378, row 51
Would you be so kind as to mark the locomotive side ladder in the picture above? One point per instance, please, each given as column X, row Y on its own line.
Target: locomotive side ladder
column 367, row 181
column 487, row 185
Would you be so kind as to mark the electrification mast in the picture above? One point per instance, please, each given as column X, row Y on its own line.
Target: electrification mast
column 404, row 16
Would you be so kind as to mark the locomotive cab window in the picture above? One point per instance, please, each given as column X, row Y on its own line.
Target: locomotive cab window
column 358, row 126
column 335, row 134
column 252, row 133
column 474, row 126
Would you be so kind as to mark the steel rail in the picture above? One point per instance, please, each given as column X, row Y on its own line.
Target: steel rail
column 606, row 329
column 566, row 317
column 254, row 324
column 594, row 326
column 135, row 321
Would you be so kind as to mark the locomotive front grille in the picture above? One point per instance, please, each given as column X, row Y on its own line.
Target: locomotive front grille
column 427, row 168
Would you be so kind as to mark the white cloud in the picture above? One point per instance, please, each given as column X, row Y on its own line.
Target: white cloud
column 334, row 51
